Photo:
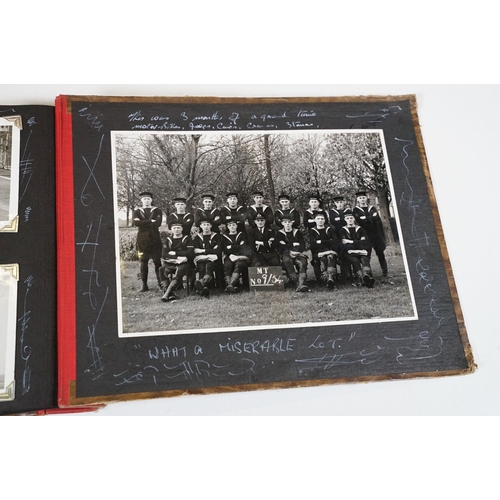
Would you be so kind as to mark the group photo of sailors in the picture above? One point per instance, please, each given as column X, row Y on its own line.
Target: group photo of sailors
column 210, row 248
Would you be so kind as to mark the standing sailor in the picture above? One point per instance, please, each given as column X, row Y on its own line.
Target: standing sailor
column 258, row 208
column 368, row 217
column 180, row 215
column 208, row 212
column 233, row 211
column 286, row 210
column 148, row 219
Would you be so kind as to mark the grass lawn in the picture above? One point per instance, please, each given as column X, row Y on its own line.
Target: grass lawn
column 144, row 312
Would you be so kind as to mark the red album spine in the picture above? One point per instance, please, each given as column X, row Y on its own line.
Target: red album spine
column 66, row 284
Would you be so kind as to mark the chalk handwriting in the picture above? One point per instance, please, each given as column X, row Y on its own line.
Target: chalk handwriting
column 86, row 198
column 27, row 214
column 167, row 352
column 196, row 370
column 31, row 121
column 328, row 361
column 25, row 348
column 330, row 343
column 26, row 168
column 379, row 115
column 216, row 120
column 299, row 124
column 276, row 346
column 92, row 272
column 92, row 242
column 420, row 347
column 306, row 114
column 97, row 366
column 93, row 119
column 419, row 241
column 136, row 117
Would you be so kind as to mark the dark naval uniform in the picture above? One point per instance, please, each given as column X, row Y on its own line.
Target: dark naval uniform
column 235, row 245
column 213, row 215
column 264, row 210
column 323, row 240
column 369, row 219
column 177, row 260
column 187, row 221
column 337, row 220
column 148, row 221
column 291, row 213
column 207, row 245
column 263, row 246
column 237, row 215
column 293, row 241
column 310, row 216
column 357, row 253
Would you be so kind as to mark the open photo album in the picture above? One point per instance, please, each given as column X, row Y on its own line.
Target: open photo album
column 153, row 247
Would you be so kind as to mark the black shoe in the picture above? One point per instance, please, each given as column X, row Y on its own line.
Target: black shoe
column 144, row 287
column 198, row 285
column 368, row 281
column 172, row 297
column 229, row 289
column 330, row 284
column 205, row 292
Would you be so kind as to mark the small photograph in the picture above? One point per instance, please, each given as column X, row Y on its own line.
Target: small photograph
column 256, row 231
column 9, row 173
column 8, row 310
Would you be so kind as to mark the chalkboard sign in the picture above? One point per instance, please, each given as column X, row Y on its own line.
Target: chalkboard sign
column 266, row 278
column 382, row 304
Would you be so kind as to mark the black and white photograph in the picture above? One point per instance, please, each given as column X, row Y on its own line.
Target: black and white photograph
column 9, row 173
column 8, row 309
column 246, row 231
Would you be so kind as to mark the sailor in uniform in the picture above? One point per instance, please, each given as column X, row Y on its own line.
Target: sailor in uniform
column 208, row 256
column 233, row 211
column 368, row 217
column 208, row 212
column 177, row 260
column 148, row 220
column 291, row 246
column 180, row 215
column 355, row 248
column 262, row 241
column 324, row 249
column 258, row 208
column 237, row 255
column 286, row 210
column 313, row 210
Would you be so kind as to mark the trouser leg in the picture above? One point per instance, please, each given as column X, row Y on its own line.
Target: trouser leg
column 144, row 272
column 169, row 293
column 382, row 260
column 316, row 264
column 289, row 267
column 367, row 272
column 331, row 270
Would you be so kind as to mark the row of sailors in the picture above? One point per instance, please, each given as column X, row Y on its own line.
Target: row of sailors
column 148, row 219
column 210, row 252
column 241, row 214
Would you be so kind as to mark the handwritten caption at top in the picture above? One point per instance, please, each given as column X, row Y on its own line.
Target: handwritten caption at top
column 217, row 121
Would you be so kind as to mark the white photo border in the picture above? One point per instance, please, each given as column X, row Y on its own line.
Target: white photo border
column 9, row 276
column 11, row 224
column 379, row 132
